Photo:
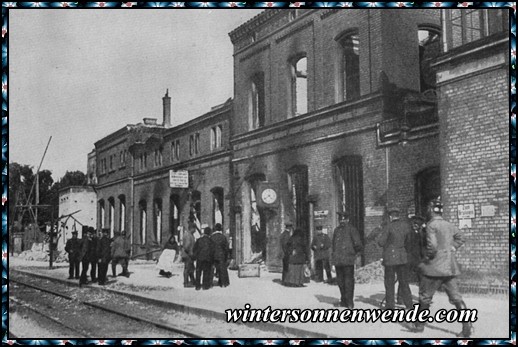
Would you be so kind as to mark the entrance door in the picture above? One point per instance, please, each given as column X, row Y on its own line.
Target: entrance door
column 428, row 187
column 349, row 177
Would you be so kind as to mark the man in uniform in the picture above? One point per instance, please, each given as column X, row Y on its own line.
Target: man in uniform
column 285, row 237
column 220, row 255
column 88, row 253
column 120, row 254
column 346, row 245
column 104, row 254
column 73, row 248
column 440, row 267
column 321, row 245
column 394, row 240
column 204, row 254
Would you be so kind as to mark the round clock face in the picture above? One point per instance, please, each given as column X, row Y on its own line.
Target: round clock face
column 269, row 196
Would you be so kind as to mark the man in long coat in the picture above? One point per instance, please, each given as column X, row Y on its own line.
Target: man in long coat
column 285, row 237
column 88, row 253
column 346, row 245
column 220, row 255
column 104, row 254
column 204, row 254
column 73, row 248
column 394, row 240
column 321, row 246
column 440, row 267
column 120, row 253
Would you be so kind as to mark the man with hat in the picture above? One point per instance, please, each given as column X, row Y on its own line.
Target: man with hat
column 321, row 245
column 120, row 253
column 394, row 240
column 285, row 237
column 104, row 254
column 440, row 267
column 88, row 253
column 346, row 245
column 73, row 248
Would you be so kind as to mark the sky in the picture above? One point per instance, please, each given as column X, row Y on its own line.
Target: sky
column 79, row 75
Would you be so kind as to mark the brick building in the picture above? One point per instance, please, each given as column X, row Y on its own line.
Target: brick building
column 337, row 110
column 133, row 174
column 333, row 110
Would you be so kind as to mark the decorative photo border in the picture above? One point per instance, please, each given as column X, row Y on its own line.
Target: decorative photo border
column 12, row 6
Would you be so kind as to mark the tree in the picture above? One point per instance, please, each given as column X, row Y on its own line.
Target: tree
column 73, row 178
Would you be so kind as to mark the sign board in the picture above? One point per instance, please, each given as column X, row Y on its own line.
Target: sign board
column 179, row 179
column 466, row 211
column 376, row 211
column 320, row 214
column 488, row 211
column 464, row 223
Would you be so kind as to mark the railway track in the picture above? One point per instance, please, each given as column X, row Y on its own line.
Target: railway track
column 117, row 315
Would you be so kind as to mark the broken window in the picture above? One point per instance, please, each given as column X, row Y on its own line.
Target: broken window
column 143, row 221
column 158, row 220
column 101, row 213
column 122, row 212
column 111, row 216
column 429, row 49
column 256, row 107
column 350, row 65
column 217, row 215
column 299, row 86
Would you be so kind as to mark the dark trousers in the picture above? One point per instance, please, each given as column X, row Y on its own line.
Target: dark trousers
column 93, row 271
column 73, row 269
column 285, row 267
column 320, row 265
column 222, row 271
column 203, row 268
column 390, row 283
column 188, row 271
column 429, row 285
column 84, row 271
column 103, row 270
column 345, row 279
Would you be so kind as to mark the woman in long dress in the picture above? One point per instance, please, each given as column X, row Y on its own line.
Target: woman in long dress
column 298, row 252
column 166, row 261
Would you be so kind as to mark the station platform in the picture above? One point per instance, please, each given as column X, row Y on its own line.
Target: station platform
column 267, row 291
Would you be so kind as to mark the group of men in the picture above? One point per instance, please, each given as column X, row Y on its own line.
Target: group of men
column 210, row 252
column 96, row 253
column 411, row 249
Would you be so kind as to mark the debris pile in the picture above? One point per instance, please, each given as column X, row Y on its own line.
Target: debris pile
column 370, row 273
column 40, row 252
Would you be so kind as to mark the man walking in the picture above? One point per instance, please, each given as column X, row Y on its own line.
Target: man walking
column 321, row 245
column 346, row 245
column 73, row 248
column 394, row 239
column 285, row 237
column 220, row 255
column 440, row 267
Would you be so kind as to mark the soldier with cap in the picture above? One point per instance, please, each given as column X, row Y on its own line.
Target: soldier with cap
column 88, row 253
column 346, row 245
column 73, row 248
column 394, row 240
column 204, row 254
column 440, row 267
column 95, row 256
column 220, row 255
column 285, row 237
column 104, row 254
column 321, row 245
column 120, row 253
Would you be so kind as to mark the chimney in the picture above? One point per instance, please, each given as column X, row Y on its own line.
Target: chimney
column 167, row 109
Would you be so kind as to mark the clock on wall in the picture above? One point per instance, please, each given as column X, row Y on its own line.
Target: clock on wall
column 269, row 196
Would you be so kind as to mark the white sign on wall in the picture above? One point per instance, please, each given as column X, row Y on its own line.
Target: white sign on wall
column 179, row 179
column 466, row 211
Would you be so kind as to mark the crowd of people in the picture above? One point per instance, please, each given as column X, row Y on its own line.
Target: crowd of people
column 412, row 252
column 96, row 253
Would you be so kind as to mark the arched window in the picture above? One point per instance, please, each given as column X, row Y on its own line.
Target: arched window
column 143, row 221
column 429, row 49
column 299, row 86
column 157, row 221
column 256, row 102
column 102, row 213
column 122, row 213
column 349, row 65
column 111, row 216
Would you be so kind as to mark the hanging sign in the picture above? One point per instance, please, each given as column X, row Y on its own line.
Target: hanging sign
column 179, row 179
